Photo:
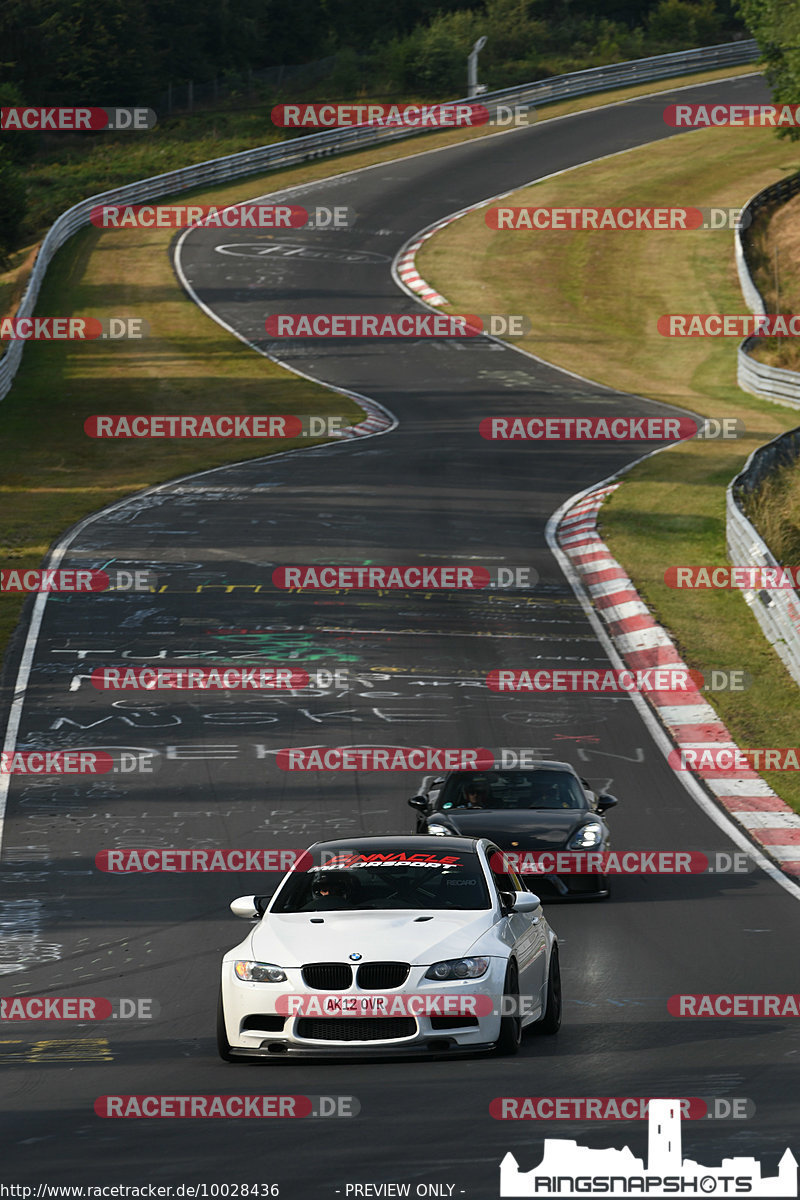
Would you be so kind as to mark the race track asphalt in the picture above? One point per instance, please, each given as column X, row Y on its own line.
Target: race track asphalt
column 430, row 491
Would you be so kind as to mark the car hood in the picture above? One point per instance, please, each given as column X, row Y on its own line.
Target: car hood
column 418, row 936
column 531, row 828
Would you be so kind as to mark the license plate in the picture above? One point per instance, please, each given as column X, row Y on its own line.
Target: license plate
column 356, row 1006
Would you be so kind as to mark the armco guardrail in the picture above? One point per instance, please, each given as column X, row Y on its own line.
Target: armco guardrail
column 253, row 162
column 777, row 610
column 773, row 383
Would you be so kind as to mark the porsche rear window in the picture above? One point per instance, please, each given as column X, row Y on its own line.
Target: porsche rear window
column 364, row 882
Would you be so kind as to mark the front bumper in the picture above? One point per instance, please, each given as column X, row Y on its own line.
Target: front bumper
column 254, row 1027
column 568, row 887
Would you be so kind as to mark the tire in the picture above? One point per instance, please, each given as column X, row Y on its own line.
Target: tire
column 223, row 1045
column 551, row 1021
column 510, row 1026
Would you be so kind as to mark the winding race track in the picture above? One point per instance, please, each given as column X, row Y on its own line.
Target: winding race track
column 429, row 491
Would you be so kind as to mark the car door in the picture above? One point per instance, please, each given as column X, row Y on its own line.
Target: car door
column 525, row 932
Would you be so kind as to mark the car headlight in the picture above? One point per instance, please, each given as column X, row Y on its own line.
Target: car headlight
column 458, row 968
column 587, row 837
column 258, row 972
column 438, row 829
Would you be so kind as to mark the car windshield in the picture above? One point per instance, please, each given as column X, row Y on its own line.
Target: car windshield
column 354, row 880
column 541, row 788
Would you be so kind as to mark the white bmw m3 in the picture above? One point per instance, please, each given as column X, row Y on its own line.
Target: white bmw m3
column 390, row 945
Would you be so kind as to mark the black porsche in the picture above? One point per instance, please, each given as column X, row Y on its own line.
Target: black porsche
column 546, row 806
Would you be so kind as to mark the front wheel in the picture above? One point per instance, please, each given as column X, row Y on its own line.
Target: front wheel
column 551, row 1021
column 510, row 1026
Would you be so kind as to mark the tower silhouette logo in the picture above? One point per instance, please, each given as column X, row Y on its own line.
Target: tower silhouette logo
column 568, row 1169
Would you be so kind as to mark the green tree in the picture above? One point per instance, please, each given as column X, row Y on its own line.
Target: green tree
column 775, row 24
column 684, row 23
column 13, row 205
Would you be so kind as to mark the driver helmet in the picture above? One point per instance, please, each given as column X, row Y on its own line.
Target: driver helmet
column 332, row 884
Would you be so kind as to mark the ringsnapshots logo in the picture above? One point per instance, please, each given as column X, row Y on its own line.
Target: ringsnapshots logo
column 568, row 1169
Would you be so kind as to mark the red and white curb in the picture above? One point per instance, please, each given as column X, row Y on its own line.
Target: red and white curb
column 407, row 272
column 378, row 420
column 404, row 269
column 643, row 644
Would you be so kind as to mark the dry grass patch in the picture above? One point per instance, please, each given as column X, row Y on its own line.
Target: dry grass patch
column 594, row 299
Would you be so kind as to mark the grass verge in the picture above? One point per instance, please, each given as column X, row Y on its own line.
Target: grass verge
column 594, row 309
column 53, row 475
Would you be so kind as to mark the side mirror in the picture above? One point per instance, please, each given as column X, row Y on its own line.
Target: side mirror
column 419, row 802
column 248, row 907
column 525, row 902
column 604, row 801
